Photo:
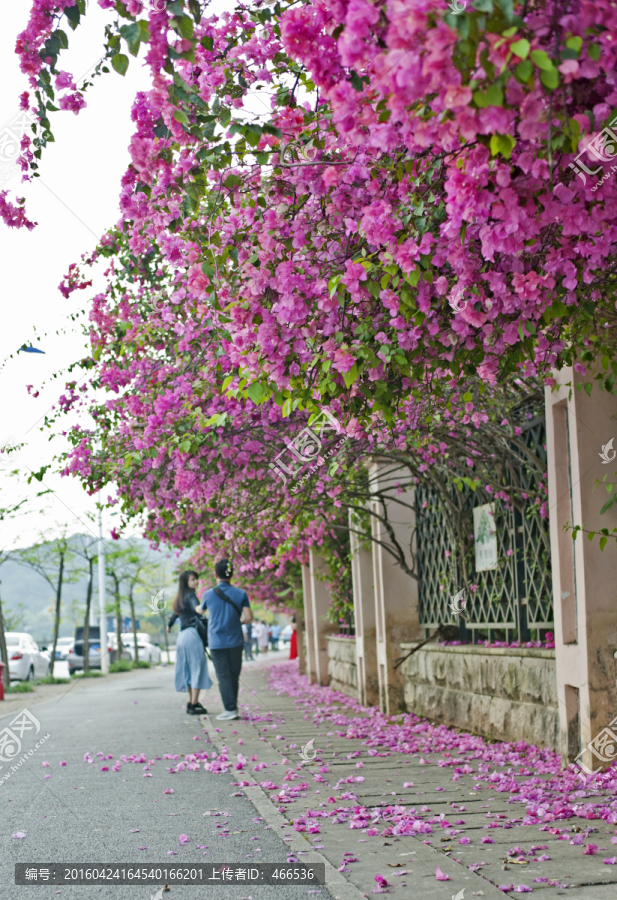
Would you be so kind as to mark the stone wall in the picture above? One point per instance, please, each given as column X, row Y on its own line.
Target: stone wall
column 342, row 666
column 501, row 692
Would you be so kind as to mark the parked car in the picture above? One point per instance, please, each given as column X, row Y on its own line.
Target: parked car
column 286, row 634
column 76, row 654
column 148, row 652
column 63, row 646
column 26, row 661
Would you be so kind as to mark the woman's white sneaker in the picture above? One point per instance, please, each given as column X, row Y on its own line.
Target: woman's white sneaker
column 227, row 715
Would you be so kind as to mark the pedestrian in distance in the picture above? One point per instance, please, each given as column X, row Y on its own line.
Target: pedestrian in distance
column 247, row 633
column 227, row 607
column 263, row 637
column 275, row 635
column 191, row 664
column 293, row 643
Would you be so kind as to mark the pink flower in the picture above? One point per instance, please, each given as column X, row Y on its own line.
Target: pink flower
column 104, row 768
column 382, row 885
column 441, row 876
column 590, row 850
column 45, row 764
column 63, row 763
column 183, row 839
column 19, row 835
column 611, row 861
column 168, row 791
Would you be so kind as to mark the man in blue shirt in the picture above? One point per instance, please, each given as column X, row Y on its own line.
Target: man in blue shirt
column 227, row 608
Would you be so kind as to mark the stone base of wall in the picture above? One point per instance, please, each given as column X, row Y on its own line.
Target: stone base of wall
column 342, row 666
column 504, row 693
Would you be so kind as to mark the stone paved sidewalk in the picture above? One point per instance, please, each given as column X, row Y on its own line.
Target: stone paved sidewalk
column 469, row 830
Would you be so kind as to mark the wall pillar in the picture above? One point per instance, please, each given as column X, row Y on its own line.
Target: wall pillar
column 584, row 577
column 364, row 617
column 310, row 660
column 300, row 638
column 316, row 606
column 396, row 593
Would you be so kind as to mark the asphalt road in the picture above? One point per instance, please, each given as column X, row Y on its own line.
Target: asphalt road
column 84, row 815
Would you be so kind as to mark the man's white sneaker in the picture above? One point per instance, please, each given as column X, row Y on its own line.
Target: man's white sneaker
column 228, row 715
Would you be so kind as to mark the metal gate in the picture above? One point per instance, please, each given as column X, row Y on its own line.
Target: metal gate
column 515, row 598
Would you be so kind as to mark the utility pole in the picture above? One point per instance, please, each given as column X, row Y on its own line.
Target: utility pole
column 102, row 613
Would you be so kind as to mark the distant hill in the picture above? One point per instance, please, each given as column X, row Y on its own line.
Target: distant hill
column 28, row 600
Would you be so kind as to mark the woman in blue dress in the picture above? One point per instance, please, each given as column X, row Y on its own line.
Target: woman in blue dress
column 191, row 664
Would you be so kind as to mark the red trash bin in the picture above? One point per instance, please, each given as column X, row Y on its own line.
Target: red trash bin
column 1, row 681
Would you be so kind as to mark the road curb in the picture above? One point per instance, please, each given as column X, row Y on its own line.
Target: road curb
column 337, row 884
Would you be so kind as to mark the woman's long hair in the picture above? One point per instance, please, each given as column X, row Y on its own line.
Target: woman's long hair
column 181, row 600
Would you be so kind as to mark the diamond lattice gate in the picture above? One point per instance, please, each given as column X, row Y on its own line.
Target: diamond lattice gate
column 515, row 598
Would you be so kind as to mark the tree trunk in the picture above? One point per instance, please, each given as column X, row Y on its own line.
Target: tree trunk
column 57, row 622
column 87, row 620
column 134, row 624
column 5, row 657
column 118, row 618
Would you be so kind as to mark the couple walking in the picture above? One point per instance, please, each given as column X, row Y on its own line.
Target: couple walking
column 228, row 607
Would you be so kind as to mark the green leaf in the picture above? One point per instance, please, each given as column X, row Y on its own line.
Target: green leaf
column 356, row 82
column 73, row 15
column 594, row 51
column 524, row 71
column 521, row 48
column 502, row 143
column 185, row 26
column 272, row 129
column 181, row 117
column 467, row 398
column 62, row 37
column 132, row 36
column 256, row 392
column 550, row 79
column 232, row 181
column 185, row 446
column 542, row 60
column 120, row 63
column 603, row 541
column 227, row 382
column 350, row 376
column 575, row 43
column 413, row 277
column 494, row 95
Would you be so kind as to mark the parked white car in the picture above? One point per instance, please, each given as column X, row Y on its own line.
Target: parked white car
column 148, row 652
column 26, row 661
column 63, row 646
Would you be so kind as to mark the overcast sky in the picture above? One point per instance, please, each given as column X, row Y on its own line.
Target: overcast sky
column 74, row 202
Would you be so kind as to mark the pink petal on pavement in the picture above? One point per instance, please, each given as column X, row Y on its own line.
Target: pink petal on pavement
column 440, row 876
column 19, row 834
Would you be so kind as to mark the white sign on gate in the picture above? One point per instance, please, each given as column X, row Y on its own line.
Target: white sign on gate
column 485, row 537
